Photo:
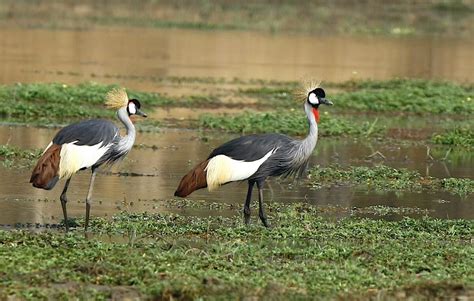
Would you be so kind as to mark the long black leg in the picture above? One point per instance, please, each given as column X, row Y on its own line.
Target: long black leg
column 63, row 199
column 261, row 210
column 88, row 199
column 247, row 203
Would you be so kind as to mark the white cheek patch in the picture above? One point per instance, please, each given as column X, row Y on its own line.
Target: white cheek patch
column 313, row 99
column 131, row 108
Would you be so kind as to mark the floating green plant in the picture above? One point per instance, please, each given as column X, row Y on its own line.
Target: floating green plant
column 382, row 177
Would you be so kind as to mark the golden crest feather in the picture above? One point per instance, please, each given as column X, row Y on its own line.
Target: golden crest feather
column 306, row 86
column 116, row 98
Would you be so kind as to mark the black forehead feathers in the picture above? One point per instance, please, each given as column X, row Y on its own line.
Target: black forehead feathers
column 319, row 92
column 136, row 102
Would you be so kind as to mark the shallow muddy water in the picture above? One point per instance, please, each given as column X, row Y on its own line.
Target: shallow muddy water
column 149, row 174
column 139, row 57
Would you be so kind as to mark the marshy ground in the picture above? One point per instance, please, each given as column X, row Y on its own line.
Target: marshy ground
column 184, row 256
column 385, row 212
column 386, row 209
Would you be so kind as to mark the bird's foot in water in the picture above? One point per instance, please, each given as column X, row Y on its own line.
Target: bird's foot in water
column 265, row 221
column 71, row 223
column 246, row 216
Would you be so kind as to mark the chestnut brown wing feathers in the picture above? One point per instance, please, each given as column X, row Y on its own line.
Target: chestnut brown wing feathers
column 193, row 180
column 45, row 173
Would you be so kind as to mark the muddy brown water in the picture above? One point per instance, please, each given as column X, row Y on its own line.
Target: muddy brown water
column 179, row 150
column 136, row 57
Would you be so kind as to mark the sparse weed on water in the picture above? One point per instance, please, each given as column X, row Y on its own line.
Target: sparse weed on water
column 18, row 157
column 382, row 177
column 463, row 137
column 379, row 176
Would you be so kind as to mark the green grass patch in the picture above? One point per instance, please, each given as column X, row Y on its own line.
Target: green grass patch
column 18, row 157
column 291, row 122
column 187, row 257
column 58, row 104
column 397, row 95
column 382, row 177
column 405, row 17
column 55, row 102
column 461, row 186
column 406, row 95
column 463, row 137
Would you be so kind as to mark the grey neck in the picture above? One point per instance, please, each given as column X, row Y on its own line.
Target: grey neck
column 304, row 148
column 126, row 142
column 310, row 141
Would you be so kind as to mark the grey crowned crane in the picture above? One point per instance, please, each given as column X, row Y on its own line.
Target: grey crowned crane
column 256, row 157
column 87, row 144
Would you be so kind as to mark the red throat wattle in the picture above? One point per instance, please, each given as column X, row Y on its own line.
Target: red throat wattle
column 316, row 114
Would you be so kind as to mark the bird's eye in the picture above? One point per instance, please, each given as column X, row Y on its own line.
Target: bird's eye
column 313, row 99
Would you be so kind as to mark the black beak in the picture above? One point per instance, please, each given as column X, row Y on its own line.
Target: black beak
column 140, row 113
column 325, row 101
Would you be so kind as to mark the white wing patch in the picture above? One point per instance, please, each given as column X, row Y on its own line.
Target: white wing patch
column 74, row 157
column 222, row 169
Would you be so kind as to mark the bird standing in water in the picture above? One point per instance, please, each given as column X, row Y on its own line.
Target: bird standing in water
column 87, row 144
column 256, row 157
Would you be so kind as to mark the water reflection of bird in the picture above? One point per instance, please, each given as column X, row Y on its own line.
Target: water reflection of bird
column 256, row 157
column 87, row 144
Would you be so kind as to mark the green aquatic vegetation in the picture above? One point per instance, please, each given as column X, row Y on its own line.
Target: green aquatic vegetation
column 406, row 95
column 397, row 95
column 147, row 22
column 393, row 18
column 461, row 186
column 455, row 6
column 291, row 122
column 380, row 210
column 163, row 256
column 56, row 103
column 382, row 177
column 60, row 102
column 14, row 156
column 463, row 137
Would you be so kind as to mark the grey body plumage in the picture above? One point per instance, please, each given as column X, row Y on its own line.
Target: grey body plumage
column 87, row 144
column 254, row 158
column 290, row 156
column 90, row 133
column 94, row 131
column 87, row 132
